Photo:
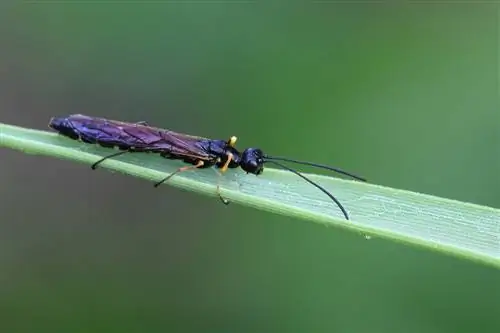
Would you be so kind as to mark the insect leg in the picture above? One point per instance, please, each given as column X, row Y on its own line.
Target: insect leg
column 94, row 166
column 226, row 164
column 224, row 169
column 224, row 201
column 186, row 168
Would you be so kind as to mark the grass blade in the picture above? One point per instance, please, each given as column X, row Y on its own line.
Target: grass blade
column 457, row 228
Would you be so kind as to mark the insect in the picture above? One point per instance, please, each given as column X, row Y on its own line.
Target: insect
column 197, row 152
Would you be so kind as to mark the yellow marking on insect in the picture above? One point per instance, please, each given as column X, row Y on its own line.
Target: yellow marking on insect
column 232, row 141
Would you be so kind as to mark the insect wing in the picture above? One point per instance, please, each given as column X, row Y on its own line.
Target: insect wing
column 133, row 136
column 161, row 140
column 185, row 145
column 141, row 135
column 104, row 132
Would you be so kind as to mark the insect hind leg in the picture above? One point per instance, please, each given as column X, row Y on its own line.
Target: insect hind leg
column 94, row 166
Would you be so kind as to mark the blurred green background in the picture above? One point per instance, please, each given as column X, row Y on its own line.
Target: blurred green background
column 404, row 95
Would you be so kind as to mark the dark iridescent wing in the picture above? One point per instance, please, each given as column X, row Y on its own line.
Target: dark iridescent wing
column 108, row 133
column 136, row 136
column 164, row 140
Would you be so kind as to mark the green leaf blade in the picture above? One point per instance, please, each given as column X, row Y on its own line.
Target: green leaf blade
column 462, row 229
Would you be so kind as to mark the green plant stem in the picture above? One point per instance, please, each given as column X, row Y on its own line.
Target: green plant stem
column 447, row 226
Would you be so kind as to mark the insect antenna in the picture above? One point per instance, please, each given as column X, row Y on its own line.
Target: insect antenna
column 321, row 166
column 314, row 184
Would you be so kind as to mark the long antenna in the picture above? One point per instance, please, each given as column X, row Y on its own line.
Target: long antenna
column 322, row 166
column 313, row 183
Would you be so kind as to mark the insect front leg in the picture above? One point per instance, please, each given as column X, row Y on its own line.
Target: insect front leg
column 219, row 194
column 223, row 169
column 230, row 157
